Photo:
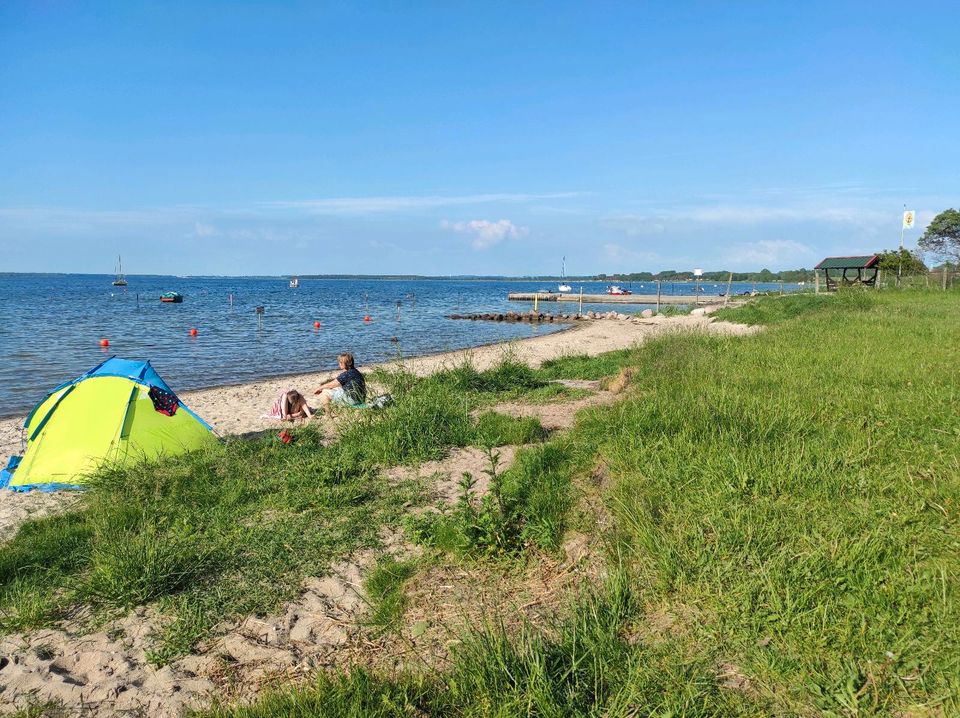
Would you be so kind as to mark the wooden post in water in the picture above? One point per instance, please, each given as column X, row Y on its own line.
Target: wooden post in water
column 658, row 296
column 580, row 310
column 726, row 297
column 536, row 298
column 781, row 286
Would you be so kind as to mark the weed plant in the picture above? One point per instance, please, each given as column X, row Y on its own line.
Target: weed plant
column 526, row 505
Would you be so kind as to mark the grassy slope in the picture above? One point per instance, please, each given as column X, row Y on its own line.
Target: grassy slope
column 787, row 535
column 234, row 530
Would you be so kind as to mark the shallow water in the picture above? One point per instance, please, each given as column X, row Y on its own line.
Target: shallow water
column 51, row 325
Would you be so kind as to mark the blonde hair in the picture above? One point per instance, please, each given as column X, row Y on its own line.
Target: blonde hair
column 346, row 359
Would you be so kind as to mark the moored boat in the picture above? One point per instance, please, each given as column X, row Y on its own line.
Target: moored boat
column 120, row 281
column 617, row 290
column 564, row 287
column 171, row 297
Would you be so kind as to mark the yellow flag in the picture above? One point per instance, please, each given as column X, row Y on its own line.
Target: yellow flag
column 908, row 218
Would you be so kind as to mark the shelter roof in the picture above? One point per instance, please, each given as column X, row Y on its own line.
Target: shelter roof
column 860, row 262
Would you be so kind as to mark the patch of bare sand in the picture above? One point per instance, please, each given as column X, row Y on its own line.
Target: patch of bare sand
column 102, row 673
column 107, row 673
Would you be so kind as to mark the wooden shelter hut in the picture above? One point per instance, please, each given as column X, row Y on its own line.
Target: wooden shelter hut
column 849, row 271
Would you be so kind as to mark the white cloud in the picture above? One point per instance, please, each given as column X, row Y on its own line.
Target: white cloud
column 769, row 252
column 202, row 229
column 401, row 203
column 485, row 232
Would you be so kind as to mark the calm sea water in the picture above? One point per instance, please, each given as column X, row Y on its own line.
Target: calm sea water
column 51, row 325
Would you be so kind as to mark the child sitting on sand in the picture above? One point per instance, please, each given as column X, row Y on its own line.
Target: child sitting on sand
column 348, row 389
column 290, row 405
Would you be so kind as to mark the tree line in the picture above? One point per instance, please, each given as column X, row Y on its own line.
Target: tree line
column 941, row 240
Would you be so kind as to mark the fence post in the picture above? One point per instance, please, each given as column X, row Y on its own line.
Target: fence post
column 816, row 281
column 943, row 282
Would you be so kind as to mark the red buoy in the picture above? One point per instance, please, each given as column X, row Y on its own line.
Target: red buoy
column 193, row 332
column 366, row 318
column 104, row 342
column 316, row 325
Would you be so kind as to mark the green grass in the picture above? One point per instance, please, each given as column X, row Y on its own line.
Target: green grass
column 385, row 592
column 775, row 309
column 508, row 380
column 786, row 531
column 495, row 429
column 584, row 366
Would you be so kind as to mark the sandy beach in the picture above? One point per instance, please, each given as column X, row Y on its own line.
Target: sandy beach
column 238, row 409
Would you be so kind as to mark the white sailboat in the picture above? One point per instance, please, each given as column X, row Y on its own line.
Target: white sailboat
column 564, row 287
column 120, row 281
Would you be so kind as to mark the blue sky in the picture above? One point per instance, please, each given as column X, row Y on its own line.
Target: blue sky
column 450, row 138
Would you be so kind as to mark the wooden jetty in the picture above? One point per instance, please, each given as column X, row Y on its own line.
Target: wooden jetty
column 614, row 298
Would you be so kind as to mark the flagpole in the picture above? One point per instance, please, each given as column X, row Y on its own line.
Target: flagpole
column 900, row 253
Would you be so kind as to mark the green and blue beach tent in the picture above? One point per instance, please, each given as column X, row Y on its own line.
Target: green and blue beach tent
column 119, row 412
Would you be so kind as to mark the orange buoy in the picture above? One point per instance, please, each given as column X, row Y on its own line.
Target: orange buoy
column 104, row 342
column 316, row 325
column 366, row 318
column 193, row 332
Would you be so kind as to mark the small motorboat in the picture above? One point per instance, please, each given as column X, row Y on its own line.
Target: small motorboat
column 617, row 290
column 171, row 297
column 294, row 282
